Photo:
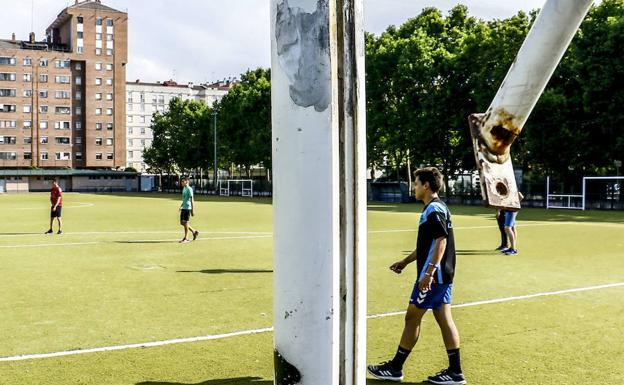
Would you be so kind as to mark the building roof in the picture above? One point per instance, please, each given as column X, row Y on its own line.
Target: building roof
column 91, row 4
column 63, row 172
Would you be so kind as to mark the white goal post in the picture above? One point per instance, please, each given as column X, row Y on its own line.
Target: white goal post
column 246, row 187
column 575, row 201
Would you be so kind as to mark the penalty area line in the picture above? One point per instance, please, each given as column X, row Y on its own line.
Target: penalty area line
column 270, row 329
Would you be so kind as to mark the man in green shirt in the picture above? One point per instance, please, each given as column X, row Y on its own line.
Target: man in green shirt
column 187, row 210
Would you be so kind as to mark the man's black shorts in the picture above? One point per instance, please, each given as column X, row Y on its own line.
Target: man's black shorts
column 55, row 213
column 185, row 215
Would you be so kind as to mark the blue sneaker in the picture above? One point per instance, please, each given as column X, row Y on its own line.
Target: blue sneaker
column 385, row 371
column 511, row 252
column 501, row 248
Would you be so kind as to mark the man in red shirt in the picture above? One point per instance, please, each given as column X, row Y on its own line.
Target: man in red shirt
column 56, row 199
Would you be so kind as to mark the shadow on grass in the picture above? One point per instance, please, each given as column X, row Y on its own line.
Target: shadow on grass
column 7, row 234
column 198, row 197
column 146, row 241
column 226, row 271
column 225, row 381
column 475, row 252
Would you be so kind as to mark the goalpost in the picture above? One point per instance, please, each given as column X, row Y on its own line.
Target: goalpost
column 246, row 187
column 580, row 201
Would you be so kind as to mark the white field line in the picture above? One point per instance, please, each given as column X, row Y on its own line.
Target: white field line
column 137, row 232
column 129, row 241
column 79, row 205
column 270, row 329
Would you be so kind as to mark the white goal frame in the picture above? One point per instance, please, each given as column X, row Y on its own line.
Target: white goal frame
column 246, row 191
column 569, row 197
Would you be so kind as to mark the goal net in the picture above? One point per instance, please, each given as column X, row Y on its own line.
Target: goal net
column 236, row 187
column 596, row 192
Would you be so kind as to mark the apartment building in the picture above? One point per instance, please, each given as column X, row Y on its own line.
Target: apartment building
column 145, row 99
column 62, row 99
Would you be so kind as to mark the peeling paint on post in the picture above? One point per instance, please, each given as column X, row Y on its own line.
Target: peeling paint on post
column 319, row 195
column 495, row 131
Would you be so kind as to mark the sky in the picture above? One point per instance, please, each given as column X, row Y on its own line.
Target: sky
column 207, row 40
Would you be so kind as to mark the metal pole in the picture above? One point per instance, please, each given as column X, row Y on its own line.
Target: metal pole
column 215, row 176
column 319, row 196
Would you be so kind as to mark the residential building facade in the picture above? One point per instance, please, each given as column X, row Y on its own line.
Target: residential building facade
column 62, row 100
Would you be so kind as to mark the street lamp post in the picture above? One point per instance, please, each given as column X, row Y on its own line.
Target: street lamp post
column 215, row 176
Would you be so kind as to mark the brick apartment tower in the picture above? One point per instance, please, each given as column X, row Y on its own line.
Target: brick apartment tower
column 62, row 100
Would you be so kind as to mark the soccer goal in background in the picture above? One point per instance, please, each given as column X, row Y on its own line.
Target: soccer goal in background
column 242, row 187
column 597, row 192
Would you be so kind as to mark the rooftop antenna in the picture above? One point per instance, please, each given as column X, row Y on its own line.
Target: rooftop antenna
column 32, row 16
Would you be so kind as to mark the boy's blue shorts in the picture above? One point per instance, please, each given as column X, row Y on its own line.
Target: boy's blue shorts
column 510, row 218
column 438, row 295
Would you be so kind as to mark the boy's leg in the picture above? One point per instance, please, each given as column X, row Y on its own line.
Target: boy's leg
column 60, row 223
column 450, row 335
column 511, row 236
column 411, row 329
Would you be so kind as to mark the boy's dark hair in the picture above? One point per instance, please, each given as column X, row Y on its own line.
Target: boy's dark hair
column 430, row 175
column 186, row 178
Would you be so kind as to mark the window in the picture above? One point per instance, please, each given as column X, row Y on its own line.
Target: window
column 27, row 124
column 109, row 126
column 27, row 93
column 78, row 110
column 43, row 125
column 78, row 80
column 27, row 108
column 143, row 142
column 80, row 35
column 98, row 21
column 109, row 37
column 78, row 95
column 109, row 22
column 27, row 140
column 78, row 156
column 142, row 107
column 109, row 141
column 109, row 67
column 7, row 92
column 27, row 155
column 8, row 123
column 44, row 156
column 62, row 110
column 98, row 111
column 130, row 131
column 62, row 155
column 44, row 140
column 109, row 81
column 98, row 81
column 130, row 155
column 63, row 79
column 98, row 141
column 109, row 52
column 8, row 77
column 78, row 66
column 98, row 36
column 98, row 96
column 43, row 62
column 98, row 156
column 129, row 107
column 98, row 126
column 109, row 96
column 62, row 63
column 98, row 51
column 78, row 126
column 80, row 49
column 143, row 130
column 109, row 111
column 4, row 60
column 27, row 61
column 62, row 125
column 43, row 93
column 130, row 119
column 109, row 156
column 7, row 108
column 61, row 140
column 43, row 78
column 27, row 77
column 8, row 139
column 80, row 19
column 8, row 155
column 78, row 140
column 43, row 109
column 98, row 66
column 129, row 142
column 61, row 94
column 142, row 119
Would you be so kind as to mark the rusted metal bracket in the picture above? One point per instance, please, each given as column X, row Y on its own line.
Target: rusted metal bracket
column 497, row 180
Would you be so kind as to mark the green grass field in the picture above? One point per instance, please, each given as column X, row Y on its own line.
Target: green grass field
column 117, row 276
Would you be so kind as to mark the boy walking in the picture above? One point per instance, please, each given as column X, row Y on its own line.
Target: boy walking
column 187, row 210
column 435, row 258
column 56, row 199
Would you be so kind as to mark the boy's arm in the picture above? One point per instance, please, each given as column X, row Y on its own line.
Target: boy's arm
column 397, row 267
column 58, row 201
column 434, row 265
column 193, row 205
